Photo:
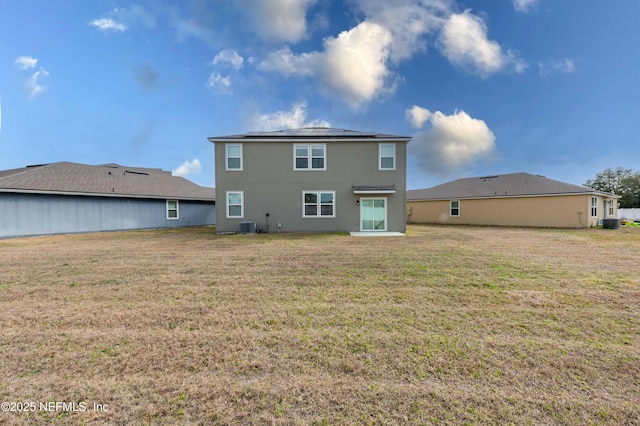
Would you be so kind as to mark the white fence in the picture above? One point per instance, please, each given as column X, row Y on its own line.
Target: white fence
column 629, row 214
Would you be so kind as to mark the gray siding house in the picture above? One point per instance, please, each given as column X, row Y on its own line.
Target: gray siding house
column 65, row 197
column 312, row 179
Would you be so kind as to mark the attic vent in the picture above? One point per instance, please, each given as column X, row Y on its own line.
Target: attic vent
column 37, row 165
column 487, row 177
column 136, row 173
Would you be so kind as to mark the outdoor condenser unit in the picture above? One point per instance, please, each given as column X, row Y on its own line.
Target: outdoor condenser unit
column 247, row 227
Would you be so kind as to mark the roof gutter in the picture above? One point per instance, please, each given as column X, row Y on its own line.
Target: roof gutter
column 487, row 197
column 311, row 139
column 99, row 194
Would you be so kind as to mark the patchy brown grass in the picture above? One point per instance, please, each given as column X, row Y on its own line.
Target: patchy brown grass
column 449, row 325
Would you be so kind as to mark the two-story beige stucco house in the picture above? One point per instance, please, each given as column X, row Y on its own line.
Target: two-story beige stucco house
column 515, row 199
column 312, row 179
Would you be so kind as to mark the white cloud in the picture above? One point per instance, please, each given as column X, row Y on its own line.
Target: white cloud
column 464, row 42
column 452, row 142
column 121, row 18
column 219, row 83
column 565, row 66
column 228, row 56
column 417, row 116
column 108, row 24
column 519, row 64
column 287, row 63
column 525, row 5
column 353, row 65
column 292, row 119
column 408, row 22
column 26, row 62
column 279, row 20
column 34, row 83
column 188, row 168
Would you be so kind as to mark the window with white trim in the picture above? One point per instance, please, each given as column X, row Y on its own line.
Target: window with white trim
column 233, row 156
column 610, row 207
column 454, row 208
column 235, row 204
column 386, row 156
column 594, row 206
column 172, row 210
column 310, row 157
column 319, row 204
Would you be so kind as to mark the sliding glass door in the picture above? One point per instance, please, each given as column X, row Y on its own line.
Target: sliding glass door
column 373, row 214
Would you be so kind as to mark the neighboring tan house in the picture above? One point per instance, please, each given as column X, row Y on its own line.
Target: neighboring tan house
column 65, row 197
column 312, row 179
column 517, row 199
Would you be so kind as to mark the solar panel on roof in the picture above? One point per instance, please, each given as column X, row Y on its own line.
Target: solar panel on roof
column 308, row 132
column 304, row 132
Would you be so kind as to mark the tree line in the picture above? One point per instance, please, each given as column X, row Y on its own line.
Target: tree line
column 620, row 181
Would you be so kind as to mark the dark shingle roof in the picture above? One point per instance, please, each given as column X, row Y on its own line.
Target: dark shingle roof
column 507, row 185
column 106, row 179
column 326, row 133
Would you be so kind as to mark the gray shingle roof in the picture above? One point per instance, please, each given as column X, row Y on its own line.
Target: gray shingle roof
column 309, row 133
column 106, row 179
column 507, row 185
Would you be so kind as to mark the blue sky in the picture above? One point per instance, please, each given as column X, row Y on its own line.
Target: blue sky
column 483, row 87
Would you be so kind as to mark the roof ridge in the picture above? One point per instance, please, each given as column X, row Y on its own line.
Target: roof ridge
column 120, row 166
column 574, row 185
column 504, row 185
column 29, row 168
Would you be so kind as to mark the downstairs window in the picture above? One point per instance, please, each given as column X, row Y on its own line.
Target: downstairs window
column 454, row 208
column 318, row 204
column 172, row 209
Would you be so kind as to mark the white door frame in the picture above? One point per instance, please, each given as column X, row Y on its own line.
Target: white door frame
column 385, row 199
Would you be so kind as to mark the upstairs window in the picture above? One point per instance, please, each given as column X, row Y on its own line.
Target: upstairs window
column 454, row 208
column 318, row 204
column 172, row 209
column 233, row 155
column 309, row 157
column 594, row 206
column 387, row 156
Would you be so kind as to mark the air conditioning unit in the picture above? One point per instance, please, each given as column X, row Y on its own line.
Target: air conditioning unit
column 611, row 223
column 247, row 227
